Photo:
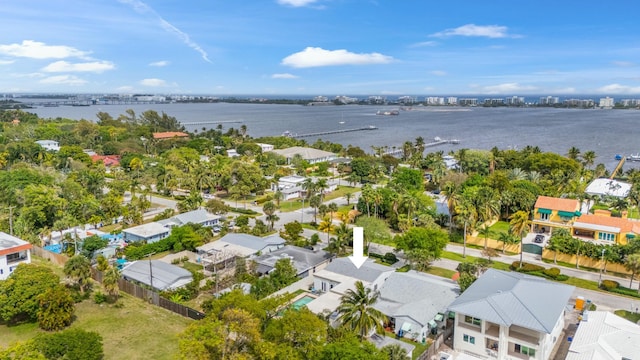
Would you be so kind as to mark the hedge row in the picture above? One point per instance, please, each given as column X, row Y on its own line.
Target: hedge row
column 537, row 270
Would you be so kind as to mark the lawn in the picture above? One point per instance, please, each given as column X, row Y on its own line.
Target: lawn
column 634, row 317
column 137, row 330
column 442, row 272
column 296, row 204
column 499, row 227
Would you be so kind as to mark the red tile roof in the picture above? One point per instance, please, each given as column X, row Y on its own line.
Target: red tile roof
column 169, row 135
column 107, row 160
column 625, row 225
column 559, row 204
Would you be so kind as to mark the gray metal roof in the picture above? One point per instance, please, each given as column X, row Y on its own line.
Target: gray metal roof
column 369, row 271
column 165, row 276
column 252, row 242
column 418, row 296
column 512, row 298
column 303, row 259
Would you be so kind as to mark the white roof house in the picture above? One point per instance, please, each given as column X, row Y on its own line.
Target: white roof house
column 606, row 336
column 49, row 145
column 150, row 232
column 504, row 313
column 608, row 187
column 238, row 245
column 13, row 252
column 199, row 216
column 309, row 154
column 157, row 274
column 304, row 260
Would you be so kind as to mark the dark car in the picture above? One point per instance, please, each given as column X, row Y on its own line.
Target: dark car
column 539, row 239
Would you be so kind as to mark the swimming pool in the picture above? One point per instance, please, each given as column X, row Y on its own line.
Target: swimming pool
column 303, row 301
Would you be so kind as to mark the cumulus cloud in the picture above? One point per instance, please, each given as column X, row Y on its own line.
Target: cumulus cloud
column 284, row 76
column 439, row 73
column 6, row 62
column 296, row 3
column 153, row 82
column 39, row 50
column 316, row 57
column 161, row 63
column 424, row 44
column 508, row 88
column 490, row 31
column 64, row 66
column 63, row 80
column 143, row 8
column 619, row 89
column 125, row 89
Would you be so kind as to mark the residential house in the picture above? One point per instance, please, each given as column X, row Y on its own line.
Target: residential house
column 312, row 156
column 341, row 275
column 169, row 135
column 199, row 216
column 608, row 187
column 291, row 186
column 306, row 261
column 13, row 252
column 552, row 213
column 233, row 245
column 603, row 228
column 604, row 335
column 265, row 147
column 150, row 232
column 510, row 315
column 416, row 303
column 107, row 160
column 49, row 145
column 157, row 274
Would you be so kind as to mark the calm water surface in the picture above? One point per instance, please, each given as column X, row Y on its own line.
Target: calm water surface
column 607, row 132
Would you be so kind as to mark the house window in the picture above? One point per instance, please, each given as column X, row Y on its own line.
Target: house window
column 606, row 236
column 525, row 350
column 469, row 339
column 544, row 217
column 471, row 320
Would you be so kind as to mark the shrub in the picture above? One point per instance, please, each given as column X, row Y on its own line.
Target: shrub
column 609, row 285
column 390, row 258
column 552, row 272
column 526, row 267
column 99, row 297
column 244, row 211
column 625, row 291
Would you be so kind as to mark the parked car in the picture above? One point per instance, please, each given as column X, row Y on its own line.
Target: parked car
column 539, row 239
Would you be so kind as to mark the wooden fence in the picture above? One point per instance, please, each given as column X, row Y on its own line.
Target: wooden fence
column 432, row 351
column 58, row 259
column 152, row 297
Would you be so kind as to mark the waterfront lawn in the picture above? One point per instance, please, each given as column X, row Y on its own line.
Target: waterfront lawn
column 133, row 331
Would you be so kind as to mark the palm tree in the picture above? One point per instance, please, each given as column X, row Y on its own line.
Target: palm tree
column 348, row 196
column 588, row 158
column 321, row 185
column 269, row 208
column 468, row 217
column 507, row 239
column 333, row 207
column 632, row 264
column 110, row 282
column 278, row 196
column 573, row 153
column 452, row 195
column 326, row 225
column 309, row 186
column 519, row 226
column 485, row 231
column 78, row 268
column 356, row 310
column 395, row 352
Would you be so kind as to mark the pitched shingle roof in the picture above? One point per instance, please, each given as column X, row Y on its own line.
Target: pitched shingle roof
column 552, row 203
column 512, row 298
column 369, row 271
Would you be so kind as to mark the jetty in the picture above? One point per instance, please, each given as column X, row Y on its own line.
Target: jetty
column 328, row 132
column 208, row 122
column 436, row 141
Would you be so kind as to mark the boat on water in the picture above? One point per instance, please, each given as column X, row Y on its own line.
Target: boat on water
column 635, row 157
column 387, row 112
column 287, row 133
column 618, row 157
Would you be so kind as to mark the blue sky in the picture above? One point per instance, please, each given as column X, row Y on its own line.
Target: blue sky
column 321, row 47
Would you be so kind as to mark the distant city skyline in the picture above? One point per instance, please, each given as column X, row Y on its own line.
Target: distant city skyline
column 321, row 47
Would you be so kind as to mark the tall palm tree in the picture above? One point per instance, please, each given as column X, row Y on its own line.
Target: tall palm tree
column 632, row 264
column 573, row 153
column 507, row 239
column 519, row 226
column 468, row 217
column 452, row 196
column 588, row 158
column 78, row 268
column 326, row 225
column 485, row 231
column 110, row 282
column 356, row 310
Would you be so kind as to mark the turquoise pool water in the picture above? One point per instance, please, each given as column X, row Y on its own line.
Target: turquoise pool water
column 302, row 302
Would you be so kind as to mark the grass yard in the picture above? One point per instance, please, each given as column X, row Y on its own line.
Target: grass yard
column 137, row 330
column 442, row 272
column 631, row 316
column 498, row 228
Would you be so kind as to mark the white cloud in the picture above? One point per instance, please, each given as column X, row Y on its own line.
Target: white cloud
column 143, row 8
column 623, row 63
column 153, row 82
column 315, row 57
column 508, row 88
column 6, row 62
column 159, row 63
column 424, row 43
column 619, row 89
column 28, row 75
column 284, row 76
column 39, row 50
column 296, row 3
column 64, row 66
column 125, row 89
column 63, row 80
column 439, row 73
column 490, row 31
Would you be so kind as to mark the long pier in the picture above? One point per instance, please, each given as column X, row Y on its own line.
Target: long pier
column 208, row 122
column 398, row 151
column 333, row 132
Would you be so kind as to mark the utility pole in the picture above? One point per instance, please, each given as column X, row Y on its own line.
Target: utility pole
column 302, row 212
column 150, row 271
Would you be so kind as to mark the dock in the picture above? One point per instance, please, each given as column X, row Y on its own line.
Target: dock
column 208, row 122
column 332, row 132
column 615, row 171
column 437, row 141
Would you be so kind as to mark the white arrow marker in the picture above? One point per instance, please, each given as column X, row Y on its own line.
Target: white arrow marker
column 358, row 257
